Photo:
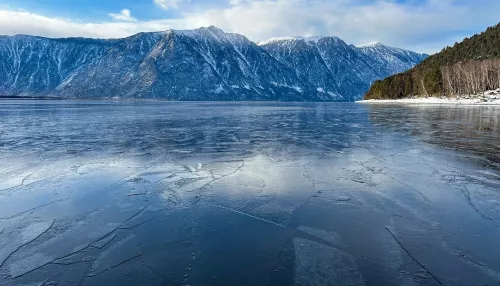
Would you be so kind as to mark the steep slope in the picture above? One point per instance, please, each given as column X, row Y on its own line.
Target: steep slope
column 210, row 64
column 38, row 65
column 389, row 60
column 336, row 68
column 201, row 64
column 469, row 67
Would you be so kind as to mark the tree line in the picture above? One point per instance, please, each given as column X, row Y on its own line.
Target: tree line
column 469, row 67
column 471, row 77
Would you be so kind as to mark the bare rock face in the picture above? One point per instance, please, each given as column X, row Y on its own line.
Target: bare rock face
column 201, row 64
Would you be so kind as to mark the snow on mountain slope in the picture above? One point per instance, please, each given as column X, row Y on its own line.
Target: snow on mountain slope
column 334, row 66
column 391, row 60
column 201, row 64
column 33, row 64
column 291, row 39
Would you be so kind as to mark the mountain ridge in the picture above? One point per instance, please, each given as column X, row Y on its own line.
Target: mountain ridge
column 200, row 64
column 338, row 67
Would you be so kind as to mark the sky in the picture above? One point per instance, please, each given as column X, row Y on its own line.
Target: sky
column 418, row 25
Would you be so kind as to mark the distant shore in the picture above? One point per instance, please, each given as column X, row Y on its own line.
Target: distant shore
column 430, row 100
column 10, row 97
column 491, row 97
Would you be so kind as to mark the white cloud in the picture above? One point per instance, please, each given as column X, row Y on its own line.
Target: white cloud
column 424, row 25
column 167, row 4
column 124, row 15
column 23, row 22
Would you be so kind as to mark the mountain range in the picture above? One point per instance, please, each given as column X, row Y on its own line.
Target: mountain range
column 201, row 64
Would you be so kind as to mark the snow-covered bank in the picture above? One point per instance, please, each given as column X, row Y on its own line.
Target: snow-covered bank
column 487, row 98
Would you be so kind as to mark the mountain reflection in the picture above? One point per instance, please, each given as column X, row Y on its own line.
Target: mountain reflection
column 473, row 129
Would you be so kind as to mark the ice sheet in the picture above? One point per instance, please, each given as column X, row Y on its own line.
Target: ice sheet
column 248, row 194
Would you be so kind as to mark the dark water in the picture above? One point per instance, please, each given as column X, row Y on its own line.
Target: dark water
column 158, row 193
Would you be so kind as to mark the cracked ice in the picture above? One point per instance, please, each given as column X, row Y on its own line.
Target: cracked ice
column 142, row 193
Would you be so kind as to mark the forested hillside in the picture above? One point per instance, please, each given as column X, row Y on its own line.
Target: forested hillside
column 469, row 67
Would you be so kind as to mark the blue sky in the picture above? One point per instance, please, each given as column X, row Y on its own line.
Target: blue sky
column 94, row 10
column 98, row 10
column 420, row 25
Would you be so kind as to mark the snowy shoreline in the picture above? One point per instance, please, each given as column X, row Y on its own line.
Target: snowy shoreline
column 488, row 98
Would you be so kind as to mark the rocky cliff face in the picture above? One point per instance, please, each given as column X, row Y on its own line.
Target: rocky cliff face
column 201, row 64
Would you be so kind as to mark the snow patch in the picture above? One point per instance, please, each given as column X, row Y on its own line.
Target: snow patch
column 219, row 89
column 491, row 97
column 275, row 40
column 297, row 88
column 334, row 95
column 370, row 45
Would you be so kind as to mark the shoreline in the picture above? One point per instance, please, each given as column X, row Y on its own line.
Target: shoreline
column 430, row 100
column 491, row 97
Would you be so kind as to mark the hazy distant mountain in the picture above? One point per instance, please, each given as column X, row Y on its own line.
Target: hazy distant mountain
column 201, row 64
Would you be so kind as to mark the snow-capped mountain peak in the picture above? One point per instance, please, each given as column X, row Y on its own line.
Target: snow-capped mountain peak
column 211, row 33
column 276, row 40
column 312, row 39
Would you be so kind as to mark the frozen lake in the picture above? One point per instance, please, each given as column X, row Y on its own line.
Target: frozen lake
column 159, row 193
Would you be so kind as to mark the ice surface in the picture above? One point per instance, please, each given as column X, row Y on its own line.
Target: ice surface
column 317, row 264
column 13, row 239
column 152, row 193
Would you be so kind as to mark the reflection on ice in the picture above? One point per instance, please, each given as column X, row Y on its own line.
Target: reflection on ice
column 99, row 193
